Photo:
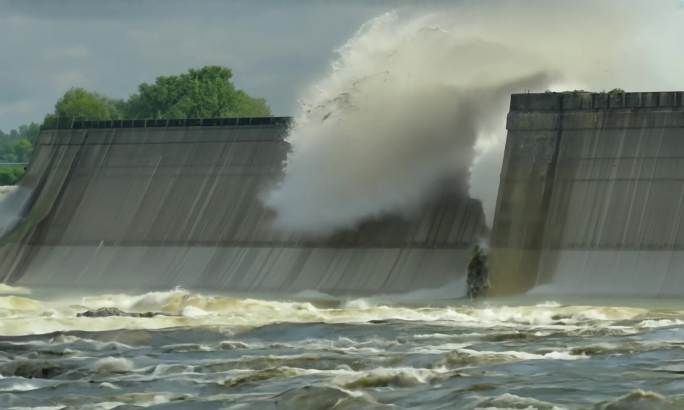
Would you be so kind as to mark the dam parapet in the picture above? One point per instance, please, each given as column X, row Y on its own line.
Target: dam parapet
column 588, row 101
column 77, row 124
column 154, row 204
column 591, row 195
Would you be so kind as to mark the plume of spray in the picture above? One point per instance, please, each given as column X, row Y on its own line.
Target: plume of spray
column 411, row 102
column 13, row 199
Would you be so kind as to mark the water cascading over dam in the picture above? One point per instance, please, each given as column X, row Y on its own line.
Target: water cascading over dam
column 157, row 204
column 591, row 199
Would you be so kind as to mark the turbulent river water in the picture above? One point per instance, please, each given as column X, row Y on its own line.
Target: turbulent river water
column 317, row 352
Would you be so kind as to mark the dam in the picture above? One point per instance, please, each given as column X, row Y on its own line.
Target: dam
column 591, row 198
column 161, row 203
column 153, row 205
column 590, row 201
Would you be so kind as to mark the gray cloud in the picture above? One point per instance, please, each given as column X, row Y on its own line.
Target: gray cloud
column 273, row 47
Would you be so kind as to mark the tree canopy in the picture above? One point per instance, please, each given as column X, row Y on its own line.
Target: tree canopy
column 81, row 103
column 15, row 150
column 198, row 93
column 28, row 131
column 203, row 93
column 16, row 147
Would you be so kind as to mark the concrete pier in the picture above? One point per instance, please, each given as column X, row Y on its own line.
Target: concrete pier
column 591, row 199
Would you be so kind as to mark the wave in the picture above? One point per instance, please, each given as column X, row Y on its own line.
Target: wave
column 113, row 365
column 640, row 399
column 29, row 315
column 394, row 377
column 512, row 401
column 324, row 397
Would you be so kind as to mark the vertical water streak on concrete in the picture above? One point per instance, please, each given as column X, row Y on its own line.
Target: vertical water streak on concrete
column 613, row 223
column 155, row 207
column 525, row 191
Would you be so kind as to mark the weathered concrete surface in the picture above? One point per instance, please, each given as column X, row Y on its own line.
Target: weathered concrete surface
column 591, row 199
column 157, row 207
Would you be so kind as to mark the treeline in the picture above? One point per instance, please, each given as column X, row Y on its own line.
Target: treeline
column 16, row 147
column 203, row 93
column 198, row 93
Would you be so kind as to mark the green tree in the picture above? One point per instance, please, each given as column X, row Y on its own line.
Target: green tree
column 29, row 131
column 17, row 145
column 7, row 153
column 81, row 103
column 203, row 93
column 23, row 149
column 13, row 150
column 10, row 175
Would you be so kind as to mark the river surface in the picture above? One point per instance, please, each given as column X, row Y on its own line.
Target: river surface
column 317, row 352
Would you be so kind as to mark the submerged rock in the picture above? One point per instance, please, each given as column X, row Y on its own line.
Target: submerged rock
column 112, row 311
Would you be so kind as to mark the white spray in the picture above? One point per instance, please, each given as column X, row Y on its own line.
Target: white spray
column 412, row 102
column 12, row 201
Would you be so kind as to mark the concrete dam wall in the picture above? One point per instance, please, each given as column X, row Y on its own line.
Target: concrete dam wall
column 157, row 204
column 591, row 199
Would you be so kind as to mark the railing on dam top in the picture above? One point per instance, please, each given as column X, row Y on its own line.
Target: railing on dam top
column 76, row 124
column 583, row 100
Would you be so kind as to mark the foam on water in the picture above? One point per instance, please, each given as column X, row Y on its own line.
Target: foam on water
column 6, row 289
column 113, row 365
column 178, row 307
column 219, row 351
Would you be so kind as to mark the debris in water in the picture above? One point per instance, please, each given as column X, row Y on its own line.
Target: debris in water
column 112, row 311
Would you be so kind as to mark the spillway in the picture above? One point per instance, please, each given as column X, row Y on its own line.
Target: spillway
column 157, row 204
column 591, row 199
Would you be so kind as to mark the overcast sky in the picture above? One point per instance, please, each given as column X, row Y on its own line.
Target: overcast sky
column 274, row 47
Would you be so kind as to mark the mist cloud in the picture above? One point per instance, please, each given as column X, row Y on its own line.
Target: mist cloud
column 414, row 100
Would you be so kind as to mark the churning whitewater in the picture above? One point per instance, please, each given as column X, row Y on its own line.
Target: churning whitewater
column 219, row 352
